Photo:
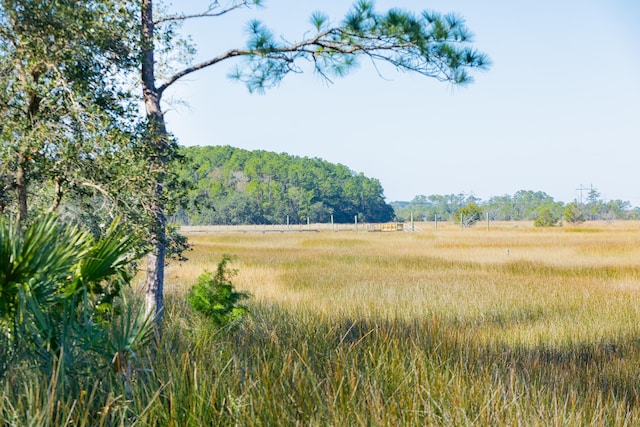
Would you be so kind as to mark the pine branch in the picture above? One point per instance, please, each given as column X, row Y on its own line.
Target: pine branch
column 435, row 46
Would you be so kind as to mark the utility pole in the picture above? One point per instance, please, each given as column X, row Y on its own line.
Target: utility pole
column 581, row 189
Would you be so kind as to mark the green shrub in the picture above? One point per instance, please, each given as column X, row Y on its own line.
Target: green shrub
column 546, row 218
column 573, row 213
column 468, row 215
column 60, row 299
column 215, row 297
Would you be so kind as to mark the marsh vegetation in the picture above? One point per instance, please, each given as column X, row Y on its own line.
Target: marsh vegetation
column 514, row 325
column 454, row 327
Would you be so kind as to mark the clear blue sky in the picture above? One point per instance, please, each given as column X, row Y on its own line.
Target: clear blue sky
column 559, row 108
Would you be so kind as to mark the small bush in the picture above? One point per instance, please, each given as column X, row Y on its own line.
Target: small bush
column 546, row 218
column 468, row 215
column 215, row 297
column 573, row 213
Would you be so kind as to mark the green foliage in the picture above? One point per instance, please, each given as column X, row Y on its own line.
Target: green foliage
column 235, row 186
column 177, row 244
column 430, row 44
column 468, row 215
column 63, row 109
column 215, row 297
column 425, row 208
column 573, row 213
column 522, row 206
column 546, row 218
column 59, row 294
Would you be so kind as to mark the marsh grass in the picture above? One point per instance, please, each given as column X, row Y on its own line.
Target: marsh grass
column 546, row 318
column 510, row 326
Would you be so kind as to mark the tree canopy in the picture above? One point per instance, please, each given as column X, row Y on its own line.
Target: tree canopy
column 65, row 120
column 236, row 186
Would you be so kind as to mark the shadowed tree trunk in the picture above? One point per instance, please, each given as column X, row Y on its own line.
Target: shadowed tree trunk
column 159, row 144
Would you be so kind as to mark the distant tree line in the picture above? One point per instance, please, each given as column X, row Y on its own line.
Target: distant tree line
column 523, row 205
column 230, row 185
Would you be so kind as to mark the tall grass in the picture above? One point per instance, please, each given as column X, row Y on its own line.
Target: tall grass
column 510, row 326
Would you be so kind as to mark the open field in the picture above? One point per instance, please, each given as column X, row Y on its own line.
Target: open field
column 508, row 326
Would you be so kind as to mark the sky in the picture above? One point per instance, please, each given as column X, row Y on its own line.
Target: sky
column 558, row 110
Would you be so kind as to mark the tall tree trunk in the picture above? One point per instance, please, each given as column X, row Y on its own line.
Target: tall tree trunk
column 154, row 287
column 158, row 133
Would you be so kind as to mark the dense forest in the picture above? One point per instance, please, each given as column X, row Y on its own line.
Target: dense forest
column 234, row 186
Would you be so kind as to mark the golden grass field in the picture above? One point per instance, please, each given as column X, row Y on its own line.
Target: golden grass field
column 513, row 283
column 500, row 325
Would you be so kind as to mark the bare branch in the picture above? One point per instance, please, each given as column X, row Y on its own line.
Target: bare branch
column 229, row 54
column 58, row 197
column 211, row 12
column 97, row 187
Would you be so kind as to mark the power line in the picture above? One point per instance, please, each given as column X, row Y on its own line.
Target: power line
column 581, row 189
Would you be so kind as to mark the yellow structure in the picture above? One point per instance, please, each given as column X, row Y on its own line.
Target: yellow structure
column 388, row 226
